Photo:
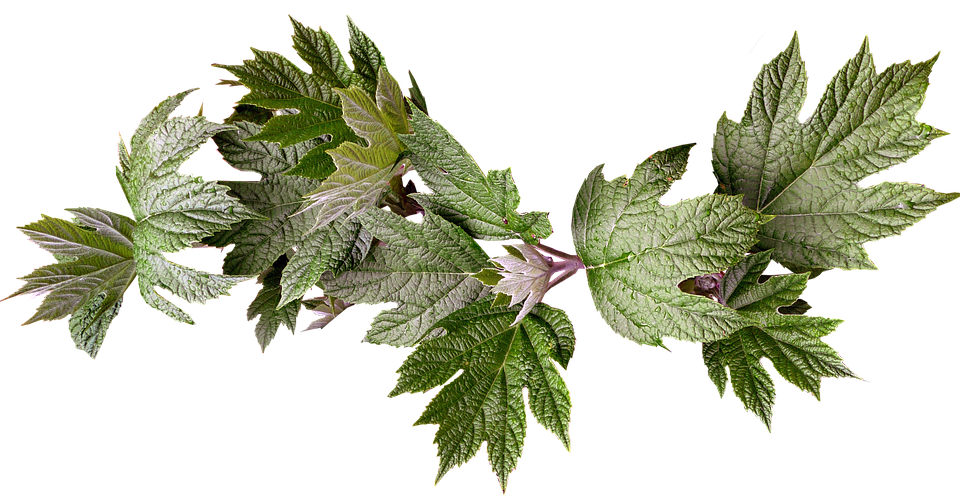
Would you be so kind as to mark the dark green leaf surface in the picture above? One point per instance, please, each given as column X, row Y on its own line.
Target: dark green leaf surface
column 367, row 59
column 792, row 343
column 485, row 403
column 267, row 306
column 276, row 83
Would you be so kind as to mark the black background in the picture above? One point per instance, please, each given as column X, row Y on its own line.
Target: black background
column 552, row 94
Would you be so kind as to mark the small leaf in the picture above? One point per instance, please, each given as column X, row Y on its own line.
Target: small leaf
column 325, row 307
column 525, row 278
column 267, row 306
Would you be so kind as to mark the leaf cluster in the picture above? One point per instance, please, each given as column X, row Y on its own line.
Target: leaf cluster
column 331, row 213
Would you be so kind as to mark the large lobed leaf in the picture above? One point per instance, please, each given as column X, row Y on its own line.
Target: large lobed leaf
column 172, row 210
column 792, row 343
column 637, row 251
column 276, row 83
column 499, row 358
column 806, row 174
column 485, row 206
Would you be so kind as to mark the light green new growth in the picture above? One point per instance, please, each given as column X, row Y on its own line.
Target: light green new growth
column 363, row 173
column 806, row 174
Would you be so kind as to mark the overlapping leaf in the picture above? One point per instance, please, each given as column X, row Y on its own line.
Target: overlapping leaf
column 172, row 210
column 363, row 173
column 325, row 307
column 258, row 243
column 425, row 267
column 276, row 83
column 266, row 305
column 806, row 174
column 485, row 403
column 95, row 266
column 792, row 343
column 485, row 206
column 525, row 277
column 637, row 251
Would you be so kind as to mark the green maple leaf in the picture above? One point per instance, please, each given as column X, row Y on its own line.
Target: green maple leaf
column 637, row 251
column 425, row 267
column 95, row 266
column 364, row 173
column 483, row 205
column 276, row 83
column 267, row 306
column 101, row 253
column 485, row 403
column 806, row 174
column 276, row 197
column 792, row 343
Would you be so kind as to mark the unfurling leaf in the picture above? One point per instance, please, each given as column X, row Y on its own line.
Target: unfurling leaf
column 525, row 277
column 363, row 173
column 327, row 308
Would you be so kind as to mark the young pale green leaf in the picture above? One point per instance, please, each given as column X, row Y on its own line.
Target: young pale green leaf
column 276, row 83
column 172, row 210
column 425, row 267
column 95, row 266
column 337, row 246
column 499, row 358
column 637, row 251
column 363, row 173
column 806, row 174
column 792, row 343
column 484, row 206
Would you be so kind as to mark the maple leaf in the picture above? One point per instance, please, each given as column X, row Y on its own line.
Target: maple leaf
column 483, row 205
column 267, row 306
column 95, row 266
column 364, row 173
column 636, row 251
column 485, row 403
column 276, row 83
column 425, row 267
column 791, row 342
column 174, row 211
column 276, row 197
column 806, row 174
column 100, row 253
